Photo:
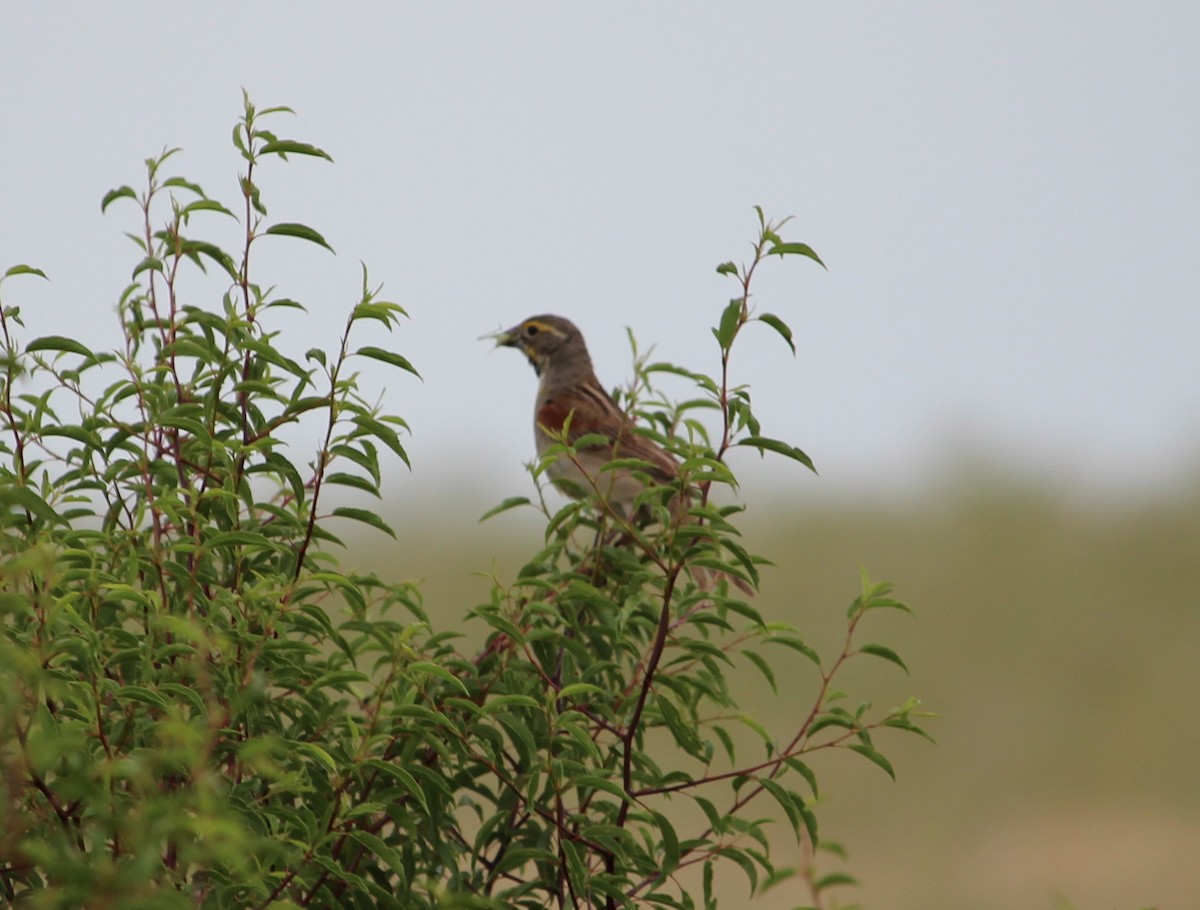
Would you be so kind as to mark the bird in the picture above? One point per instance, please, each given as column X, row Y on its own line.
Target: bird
column 571, row 405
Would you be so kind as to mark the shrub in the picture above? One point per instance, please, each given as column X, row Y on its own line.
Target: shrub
column 200, row 707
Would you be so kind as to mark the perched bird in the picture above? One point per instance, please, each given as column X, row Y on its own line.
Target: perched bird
column 570, row 397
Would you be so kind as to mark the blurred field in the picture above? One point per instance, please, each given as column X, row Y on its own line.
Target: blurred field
column 1057, row 638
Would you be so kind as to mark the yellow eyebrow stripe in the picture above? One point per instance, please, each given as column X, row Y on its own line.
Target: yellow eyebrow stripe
column 543, row 327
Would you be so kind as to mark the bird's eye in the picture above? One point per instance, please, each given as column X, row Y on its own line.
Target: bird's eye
column 531, row 330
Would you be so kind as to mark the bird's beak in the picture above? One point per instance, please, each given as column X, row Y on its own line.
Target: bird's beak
column 505, row 338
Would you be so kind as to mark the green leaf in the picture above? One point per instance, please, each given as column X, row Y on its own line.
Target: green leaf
column 795, row 249
column 871, row 754
column 79, row 434
column 302, row 231
column 522, row 739
column 830, row 720
column 763, row 667
column 727, row 268
column 186, row 184
column 748, row 721
column 287, row 303
column 721, row 567
column 874, row 596
column 746, row 561
column 383, row 433
column 669, row 843
column 276, row 109
column 194, row 249
column 353, row 480
column 150, row 263
column 790, row 641
column 432, row 669
column 126, row 593
column 381, row 311
column 284, row 470
column 502, row 702
column 810, row 824
column 121, row 192
column 902, row 723
column 285, row 147
column 594, row 782
column 187, row 694
column 885, row 653
column 388, row 357
column 577, row 874
column 516, row 857
column 682, row 730
column 742, row 858
column 399, row 776
column 804, row 771
column 314, row 751
column 25, row 270
column 365, row 517
column 143, row 695
column 745, row 610
column 242, row 539
column 366, row 458
column 779, row 326
column 731, row 320
column 717, row 821
column 787, row 802
column 376, row 845
column 206, row 205
column 834, row 878
column 574, row 690
column 181, row 421
column 59, row 343
column 763, row 444
column 25, row 498
column 726, row 741
column 511, row 502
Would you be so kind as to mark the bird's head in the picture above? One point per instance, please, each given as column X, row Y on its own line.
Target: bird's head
column 543, row 340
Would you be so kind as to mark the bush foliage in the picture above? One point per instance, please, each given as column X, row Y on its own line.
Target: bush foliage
column 200, row 707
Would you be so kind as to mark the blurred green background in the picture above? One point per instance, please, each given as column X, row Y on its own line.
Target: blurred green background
column 1055, row 636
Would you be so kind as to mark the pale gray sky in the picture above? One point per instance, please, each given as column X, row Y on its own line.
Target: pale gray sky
column 1007, row 196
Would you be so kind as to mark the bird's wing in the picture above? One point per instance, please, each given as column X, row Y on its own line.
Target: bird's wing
column 592, row 412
